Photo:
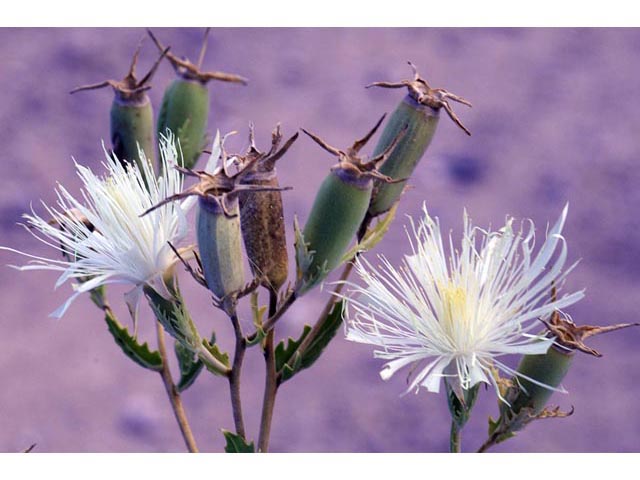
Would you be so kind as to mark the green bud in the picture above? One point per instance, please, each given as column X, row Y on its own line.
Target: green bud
column 418, row 113
column 548, row 369
column 261, row 214
column 340, row 206
column 219, row 245
column 185, row 105
column 131, row 117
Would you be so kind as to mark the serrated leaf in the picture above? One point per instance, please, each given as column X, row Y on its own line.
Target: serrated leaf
column 131, row 348
column 213, row 349
column 174, row 318
column 323, row 337
column 190, row 366
column 285, row 352
column 373, row 235
column 237, row 444
column 290, row 360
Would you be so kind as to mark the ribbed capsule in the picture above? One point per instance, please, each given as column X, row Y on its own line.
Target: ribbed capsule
column 262, row 215
column 550, row 369
column 218, row 223
column 418, row 113
column 131, row 115
column 340, row 206
column 185, row 104
column 219, row 245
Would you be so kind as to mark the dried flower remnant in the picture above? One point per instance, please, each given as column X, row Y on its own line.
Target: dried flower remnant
column 261, row 213
column 419, row 113
column 455, row 317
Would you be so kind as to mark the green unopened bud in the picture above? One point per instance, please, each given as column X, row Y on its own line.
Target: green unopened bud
column 185, row 104
column 340, row 206
column 261, row 214
column 131, row 116
column 418, row 113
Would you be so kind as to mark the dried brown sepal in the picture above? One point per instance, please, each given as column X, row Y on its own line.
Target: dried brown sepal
column 350, row 159
column 220, row 187
column 197, row 275
column 129, row 88
column 422, row 93
column 571, row 336
column 260, row 161
column 191, row 71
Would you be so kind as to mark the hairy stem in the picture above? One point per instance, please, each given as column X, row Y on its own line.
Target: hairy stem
column 234, row 375
column 454, row 438
column 172, row 393
column 491, row 441
column 271, row 380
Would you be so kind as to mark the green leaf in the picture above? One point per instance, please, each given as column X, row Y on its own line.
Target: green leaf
column 329, row 329
column 175, row 319
column 290, row 360
column 213, row 349
column 287, row 356
column 237, row 444
column 190, row 366
column 373, row 235
column 132, row 349
column 258, row 316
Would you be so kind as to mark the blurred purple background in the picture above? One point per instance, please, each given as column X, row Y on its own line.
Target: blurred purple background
column 555, row 118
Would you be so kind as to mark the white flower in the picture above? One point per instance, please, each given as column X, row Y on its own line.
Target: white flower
column 455, row 317
column 113, row 243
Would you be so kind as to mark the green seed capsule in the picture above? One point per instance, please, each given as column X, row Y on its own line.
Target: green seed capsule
column 185, row 110
column 418, row 113
column 262, row 217
column 338, row 210
column 185, row 105
column 131, row 117
column 340, row 206
column 132, row 128
column 549, row 369
column 219, row 245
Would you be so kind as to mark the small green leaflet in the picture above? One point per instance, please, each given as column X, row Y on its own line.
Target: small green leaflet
column 237, row 444
column 373, row 235
column 190, row 366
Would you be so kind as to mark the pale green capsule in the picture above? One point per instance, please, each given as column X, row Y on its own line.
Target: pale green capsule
column 220, row 245
column 185, row 105
column 418, row 113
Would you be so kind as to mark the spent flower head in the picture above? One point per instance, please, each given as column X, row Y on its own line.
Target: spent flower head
column 455, row 317
column 101, row 235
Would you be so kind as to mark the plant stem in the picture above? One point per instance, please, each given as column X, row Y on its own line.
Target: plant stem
column 234, row 375
column 271, row 380
column 172, row 393
column 454, row 438
column 491, row 441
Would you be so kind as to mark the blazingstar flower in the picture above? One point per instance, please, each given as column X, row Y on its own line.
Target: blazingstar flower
column 455, row 317
column 104, row 240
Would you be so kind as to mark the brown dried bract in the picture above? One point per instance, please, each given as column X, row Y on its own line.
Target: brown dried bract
column 191, row 71
column 129, row 88
column 350, row 159
column 571, row 336
column 422, row 93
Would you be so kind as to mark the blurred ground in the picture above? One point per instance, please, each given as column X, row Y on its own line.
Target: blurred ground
column 555, row 118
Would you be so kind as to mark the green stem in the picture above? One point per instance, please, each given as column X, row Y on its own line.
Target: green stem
column 234, row 375
column 174, row 396
column 454, row 438
column 271, row 381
